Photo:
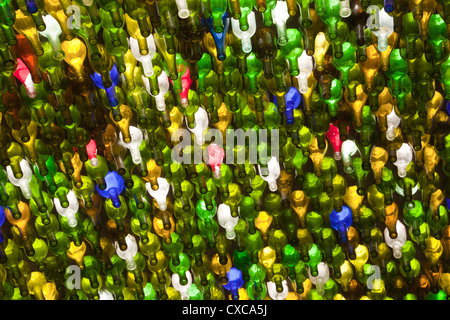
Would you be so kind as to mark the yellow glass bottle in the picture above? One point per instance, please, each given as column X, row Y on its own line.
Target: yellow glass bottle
column 24, row 25
column 75, row 54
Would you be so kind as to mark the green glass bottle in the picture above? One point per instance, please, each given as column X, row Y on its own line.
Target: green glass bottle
column 291, row 257
column 366, row 223
column 222, row 179
column 138, row 11
column 438, row 221
column 272, row 205
column 181, row 268
column 388, row 185
column 313, row 187
column 115, row 11
column 246, row 6
column 4, row 196
column 328, row 12
column 48, row 231
column 359, row 174
column 398, row 69
column 92, row 236
column 208, row 227
column 305, row 242
column 197, row 250
column 293, row 50
column 74, row 232
column 248, row 212
column 298, row 162
column 413, row 273
column 91, row 280
column 60, row 250
column 256, row 287
column 114, row 278
column 421, row 238
column 329, row 172
column 117, row 214
column 254, row 244
column 338, row 261
column 314, row 223
column 13, row 200
column 85, row 191
column 409, row 34
column 62, row 188
column 437, row 35
column 234, row 198
column 328, row 244
column 315, row 258
column 414, row 216
column 253, row 74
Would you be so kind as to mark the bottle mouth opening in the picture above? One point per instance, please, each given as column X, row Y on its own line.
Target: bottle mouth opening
column 282, row 41
column 273, row 186
column 349, row 169
column 337, row 156
column 345, row 12
column 31, row 93
column 185, row 103
column 94, row 162
column 183, row 13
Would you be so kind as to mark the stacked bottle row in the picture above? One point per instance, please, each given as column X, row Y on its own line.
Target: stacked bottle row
column 107, row 105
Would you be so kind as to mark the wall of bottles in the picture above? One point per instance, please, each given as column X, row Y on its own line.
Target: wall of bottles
column 350, row 203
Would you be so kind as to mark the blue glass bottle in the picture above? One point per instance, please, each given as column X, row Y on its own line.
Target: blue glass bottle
column 32, row 6
column 3, row 257
column 340, row 221
column 235, row 282
column 388, row 6
column 293, row 100
column 114, row 186
column 110, row 91
column 219, row 38
column 2, row 221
